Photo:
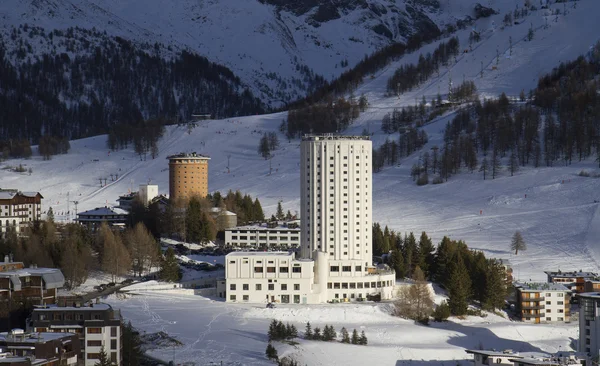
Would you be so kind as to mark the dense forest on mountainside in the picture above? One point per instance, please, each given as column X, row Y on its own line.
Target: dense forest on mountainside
column 86, row 82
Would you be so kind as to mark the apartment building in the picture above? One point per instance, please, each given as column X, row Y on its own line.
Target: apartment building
column 264, row 236
column 112, row 216
column 573, row 280
column 39, row 349
column 543, row 302
column 589, row 323
column 335, row 234
column 18, row 210
column 37, row 285
column 96, row 325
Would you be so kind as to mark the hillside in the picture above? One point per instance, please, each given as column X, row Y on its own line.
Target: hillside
column 556, row 217
column 276, row 47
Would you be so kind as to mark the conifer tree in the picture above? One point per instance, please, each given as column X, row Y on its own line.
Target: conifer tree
column 355, row 338
column 363, row 339
column 517, row 243
column 459, row 287
column 495, row 164
column 271, row 352
column 441, row 312
column 258, row 211
column 426, row 253
column 478, row 273
column 484, row 167
column 411, row 253
column 280, row 215
column 317, row 334
column 443, row 261
column 132, row 353
column 264, row 148
column 50, row 215
column 308, row 333
column 513, row 163
column 496, row 286
column 103, row 359
column 396, row 262
column 345, row 336
column 170, row 270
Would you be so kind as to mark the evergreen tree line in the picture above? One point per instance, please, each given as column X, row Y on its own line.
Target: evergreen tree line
column 110, row 81
column 351, row 79
column 331, row 116
column 281, row 332
column 15, row 148
column 191, row 220
column 268, row 143
column 52, row 145
column 329, row 334
column 144, row 135
column 467, row 274
column 76, row 250
column 408, row 76
column 389, row 153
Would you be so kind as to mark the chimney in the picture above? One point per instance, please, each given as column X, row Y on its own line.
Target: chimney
column 97, row 300
column 6, row 258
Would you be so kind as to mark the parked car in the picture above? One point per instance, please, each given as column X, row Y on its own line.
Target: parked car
column 270, row 305
column 127, row 281
column 111, row 284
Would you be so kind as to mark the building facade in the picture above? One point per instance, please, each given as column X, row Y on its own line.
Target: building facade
column 589, row 323
column 18, row 210
column 40, row 348
column 110, row 215
column 493, row 358
column 543, row 302
column 96, row 325
column 335, row 233
column 188, row 176
column 263, row 237
column 574, row 280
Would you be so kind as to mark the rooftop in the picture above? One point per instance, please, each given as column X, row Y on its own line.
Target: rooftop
column 104, row 211
column 561, row 274
column 90, row 307
column 39, row 337
column 545, row 361
column 331, row 136
column 506, row 353
column 8, row 194
column 260, row 254
column 263, row 227
column 541, row 286
column 192, row 155
column 590, row 295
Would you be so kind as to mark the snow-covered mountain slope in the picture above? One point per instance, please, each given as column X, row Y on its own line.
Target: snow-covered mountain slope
column 272, row 48
column 553, row 207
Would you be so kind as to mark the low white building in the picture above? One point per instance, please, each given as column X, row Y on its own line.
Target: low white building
column 257, row 277
column 543, row 302
column 263, row 236
column 489, row 358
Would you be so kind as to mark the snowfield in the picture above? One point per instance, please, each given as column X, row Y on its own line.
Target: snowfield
column 236, row 334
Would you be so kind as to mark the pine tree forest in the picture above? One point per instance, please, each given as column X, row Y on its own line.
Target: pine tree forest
column 110, row 82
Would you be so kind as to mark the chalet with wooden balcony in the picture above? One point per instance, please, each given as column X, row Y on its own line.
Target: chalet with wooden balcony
column 543, row 302
column 39, row 349
column 18, row 210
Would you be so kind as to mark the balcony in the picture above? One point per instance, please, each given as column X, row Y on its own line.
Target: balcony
column 533, row 299
column 532, row 307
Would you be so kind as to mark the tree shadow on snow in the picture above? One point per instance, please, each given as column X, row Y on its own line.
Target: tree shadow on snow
column 261, row 337
column 483, row 338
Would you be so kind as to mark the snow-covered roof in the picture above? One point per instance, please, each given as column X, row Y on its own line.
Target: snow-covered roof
column 53, row 277
column 192, row 155
column 8, row 194
column 104, row 211
column 222, row 211
column 263, row 227
column 561, row 274
column 541, row 286
column 260, row 254
column 506, row 353
column 101, row 306
column 32, row 337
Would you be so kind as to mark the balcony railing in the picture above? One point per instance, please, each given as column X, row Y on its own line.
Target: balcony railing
column 532, row 299
column 532, row 307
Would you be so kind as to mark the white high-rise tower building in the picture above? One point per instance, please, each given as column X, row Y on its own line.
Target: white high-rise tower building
column 336, row 253
column 336, row 197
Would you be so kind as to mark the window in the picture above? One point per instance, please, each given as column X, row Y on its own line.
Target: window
column 357, row 268
column 296, row 299
column 297, row 270
column 258, row 269
column 232, row 297
column 548, row 302
column 560, row 303
column 258, row 287
column 271, row 287
column 113, row 344
column 548, row 319
column 549, row 294
column 94, row 343
column 560, row 294
column 346, row 268
column 548, row 310
column 334, row 268
column 94, row 330
column 245, row 287
column 296, row 287
column 283, row 287
column 113, row 357
column 113, row 331
column 93, row 356
column 232, row 287
column 336, row 285
column 57, row 317
column 283, row 270
column 245, row 297
column 43, row 317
